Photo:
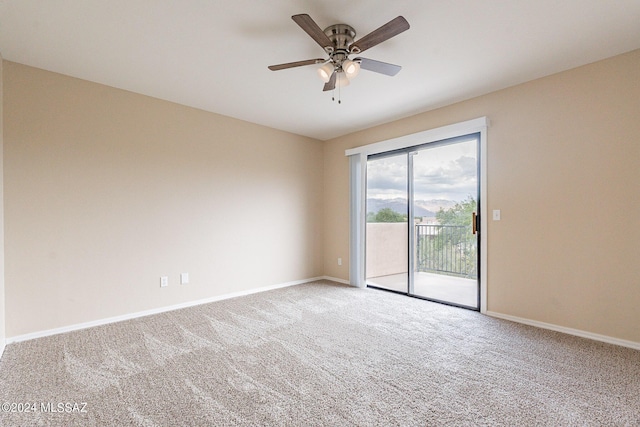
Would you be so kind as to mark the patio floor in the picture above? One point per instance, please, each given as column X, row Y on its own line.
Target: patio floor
column 451, row 289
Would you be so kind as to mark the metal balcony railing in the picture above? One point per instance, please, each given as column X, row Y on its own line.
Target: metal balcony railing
column 446, row 249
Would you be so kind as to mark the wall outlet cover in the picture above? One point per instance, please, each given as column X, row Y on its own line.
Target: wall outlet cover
column 184, row 278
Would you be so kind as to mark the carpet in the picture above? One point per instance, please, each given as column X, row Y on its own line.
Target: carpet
column 318, row 354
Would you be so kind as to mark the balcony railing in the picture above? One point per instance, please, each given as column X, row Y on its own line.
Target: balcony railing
column 446, row 249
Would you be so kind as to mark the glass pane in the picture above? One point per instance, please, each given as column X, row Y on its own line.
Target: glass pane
column 387, row 258
column 445, row 192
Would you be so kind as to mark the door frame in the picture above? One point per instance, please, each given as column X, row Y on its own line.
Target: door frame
column 357, row 171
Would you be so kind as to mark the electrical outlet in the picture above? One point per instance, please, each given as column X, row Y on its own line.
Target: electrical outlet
column 184, row 278
column 164, row 281
column 339, row 261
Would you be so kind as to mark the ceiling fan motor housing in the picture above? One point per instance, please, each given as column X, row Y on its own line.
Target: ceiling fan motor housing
column 342, row 36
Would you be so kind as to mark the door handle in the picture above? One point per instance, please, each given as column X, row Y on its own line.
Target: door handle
column 474, row 222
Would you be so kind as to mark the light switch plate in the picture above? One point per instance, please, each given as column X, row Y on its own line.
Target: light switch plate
column 496, row 214
column 184, row 278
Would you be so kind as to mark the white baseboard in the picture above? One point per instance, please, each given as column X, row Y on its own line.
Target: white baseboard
column 138, row 314
column 570, row 331
column 3, row 344
column 335, row 279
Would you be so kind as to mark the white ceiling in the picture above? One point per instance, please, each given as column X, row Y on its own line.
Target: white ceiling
column 213, row 54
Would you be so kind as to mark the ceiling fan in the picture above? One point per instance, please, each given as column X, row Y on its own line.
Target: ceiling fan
column 338, row 42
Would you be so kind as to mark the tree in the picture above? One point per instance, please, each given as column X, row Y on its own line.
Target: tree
column 453, row 248
column 459, row 214
column 386, row 215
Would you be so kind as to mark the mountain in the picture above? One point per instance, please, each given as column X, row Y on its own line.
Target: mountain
column 422, row 208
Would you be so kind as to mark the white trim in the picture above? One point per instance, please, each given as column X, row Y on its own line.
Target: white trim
column 565, row 330
column 3, row 344
column 130, row 316
column 424, row 137
column 335, row 279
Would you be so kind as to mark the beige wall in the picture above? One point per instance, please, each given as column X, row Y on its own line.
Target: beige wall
column 564, row 168
column 2, row 298
column 386, row 248
column 106, row 191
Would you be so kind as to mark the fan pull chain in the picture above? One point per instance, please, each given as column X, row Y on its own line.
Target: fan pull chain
column 333, row 95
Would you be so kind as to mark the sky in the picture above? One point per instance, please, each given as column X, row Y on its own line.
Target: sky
column 443, row 172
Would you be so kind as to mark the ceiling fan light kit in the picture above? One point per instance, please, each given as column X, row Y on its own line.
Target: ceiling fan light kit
column 338, row 43
column 342, row 80
column 325, row 72
column 351, row 68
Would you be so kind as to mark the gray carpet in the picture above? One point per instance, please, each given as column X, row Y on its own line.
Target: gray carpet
column 320, row 354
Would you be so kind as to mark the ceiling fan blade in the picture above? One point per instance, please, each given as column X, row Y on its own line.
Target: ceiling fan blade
column 331, row 84
column 378, row 66
column 310, row 27
column 388, row 30
column 296, row 64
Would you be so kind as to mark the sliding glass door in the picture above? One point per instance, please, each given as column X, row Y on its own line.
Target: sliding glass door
column 421, row 232
column 387, row 231
column 445, row 206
